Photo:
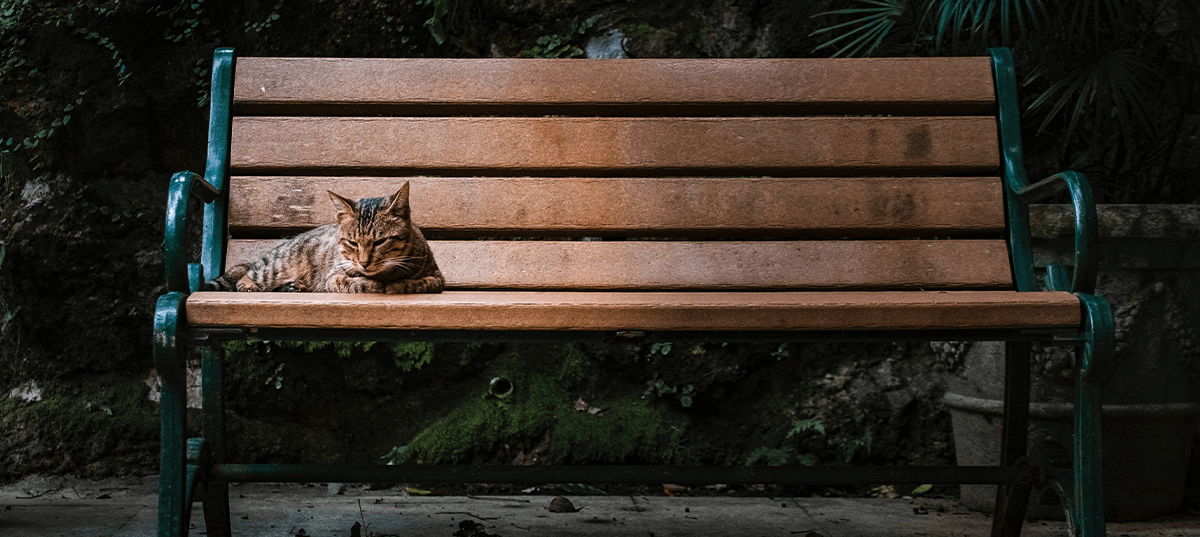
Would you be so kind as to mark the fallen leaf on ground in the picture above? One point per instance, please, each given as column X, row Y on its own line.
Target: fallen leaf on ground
column 674, row 490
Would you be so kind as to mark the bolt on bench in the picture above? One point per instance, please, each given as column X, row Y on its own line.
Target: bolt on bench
column 787, row 200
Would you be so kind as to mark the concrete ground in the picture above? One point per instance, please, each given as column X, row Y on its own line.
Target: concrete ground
column 56, row 506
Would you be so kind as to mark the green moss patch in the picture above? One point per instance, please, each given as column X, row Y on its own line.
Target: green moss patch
column 547, row 384
column 91, row 426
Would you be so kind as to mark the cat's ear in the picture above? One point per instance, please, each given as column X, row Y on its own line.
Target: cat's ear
column 345, row 208
column 398, row 203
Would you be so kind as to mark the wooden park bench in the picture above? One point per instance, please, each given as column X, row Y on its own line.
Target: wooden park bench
column 782, row 199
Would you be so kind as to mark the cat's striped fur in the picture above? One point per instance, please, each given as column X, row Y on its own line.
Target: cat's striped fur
column 373, row 248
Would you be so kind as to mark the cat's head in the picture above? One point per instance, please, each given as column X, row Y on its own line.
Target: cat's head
column 374, row 234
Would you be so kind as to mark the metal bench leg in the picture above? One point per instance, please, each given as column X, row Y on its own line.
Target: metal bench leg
column 1012, row 500
column 216, row 493
column 168, row 362
column 1094, row 364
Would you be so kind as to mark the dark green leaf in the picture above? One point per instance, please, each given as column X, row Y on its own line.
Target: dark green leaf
column 864, row 33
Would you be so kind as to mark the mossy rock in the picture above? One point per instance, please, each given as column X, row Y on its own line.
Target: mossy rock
column 94, row 426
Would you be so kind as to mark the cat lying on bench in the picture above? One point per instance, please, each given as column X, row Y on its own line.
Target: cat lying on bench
column 373, row 248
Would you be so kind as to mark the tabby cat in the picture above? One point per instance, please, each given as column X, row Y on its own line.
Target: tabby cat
column 373, row 248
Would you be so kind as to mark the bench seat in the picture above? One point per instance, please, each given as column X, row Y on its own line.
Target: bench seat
column 649, row 311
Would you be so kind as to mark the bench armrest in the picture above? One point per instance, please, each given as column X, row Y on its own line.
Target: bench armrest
column 184, row 186
column 1086, row 232
column 1020, row 193
column 212, row 189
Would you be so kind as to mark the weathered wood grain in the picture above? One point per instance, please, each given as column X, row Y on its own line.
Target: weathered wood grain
column 625, row 146
column 676, row 207
column 667, row 265
column 663, row 311
column 340, row 86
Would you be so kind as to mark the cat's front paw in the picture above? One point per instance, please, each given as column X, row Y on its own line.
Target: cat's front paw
column 427, row 284
column 341, row 283
column 248, row 285
column 290, row 287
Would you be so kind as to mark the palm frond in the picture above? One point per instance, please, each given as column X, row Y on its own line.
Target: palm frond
column 1117, row 84
column 1089, row 20
column 973, row 19
column 866, row 32
column 1179, row 25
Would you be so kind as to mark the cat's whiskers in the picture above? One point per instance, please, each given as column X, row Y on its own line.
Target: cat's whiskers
column 348, row 267
column 396, row 266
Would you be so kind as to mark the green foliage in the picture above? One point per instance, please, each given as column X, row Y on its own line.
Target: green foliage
column 276, row 378
column 91, row 35
column 957, row 18
column 186, row 18
column 411, row 356
column 346, row 348
column 391, row 19
column 661, row 389
column 852, row 446
column 233, row 348
column 640, row 29
column 1113, row 79
column 811, row 424
column 862, row 36
column 560, row 46
column 770, row 456
column 398, row 455
column 435, row 23
column 767, row 456
column 261, row 26
column 847, row 443
column 45, row 110
column 543, row 404
column 660, row 348
column 249, row 361
column 11, row 13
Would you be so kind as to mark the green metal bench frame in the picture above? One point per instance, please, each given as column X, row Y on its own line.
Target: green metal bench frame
column 196, row 469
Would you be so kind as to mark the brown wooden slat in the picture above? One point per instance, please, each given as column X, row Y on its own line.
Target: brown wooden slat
column 661, row 265
column 532, row 206
column 336, row 86
column 664, row 311
column 508, row 146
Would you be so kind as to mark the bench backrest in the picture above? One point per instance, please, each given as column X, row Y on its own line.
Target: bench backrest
column 718, row 174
